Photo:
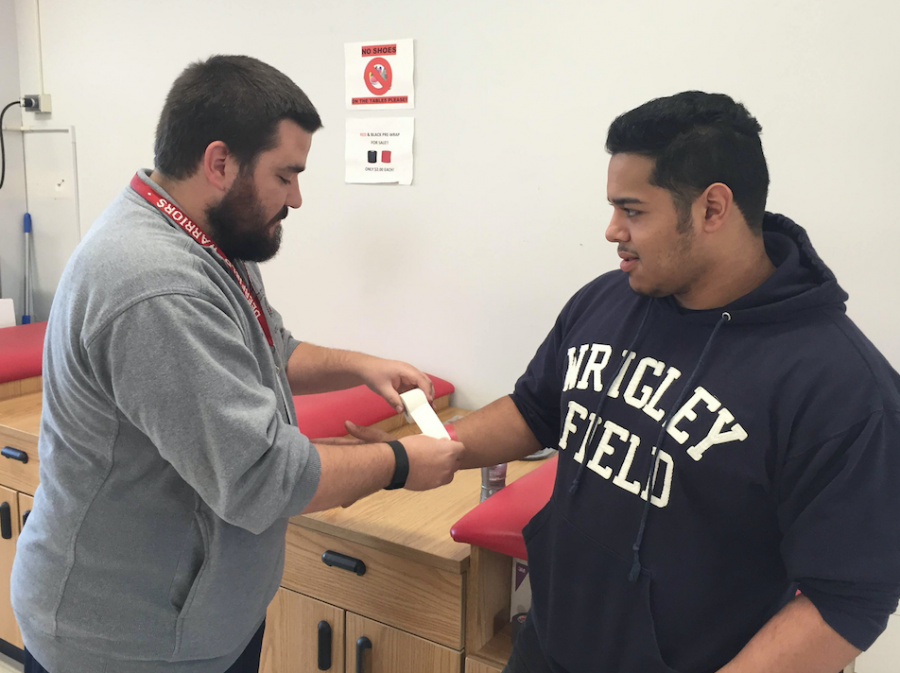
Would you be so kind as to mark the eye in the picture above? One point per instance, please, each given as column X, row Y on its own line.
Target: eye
column 631, row 213
column 283, row 181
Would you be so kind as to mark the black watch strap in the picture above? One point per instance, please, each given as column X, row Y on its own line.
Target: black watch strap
column 401, row 469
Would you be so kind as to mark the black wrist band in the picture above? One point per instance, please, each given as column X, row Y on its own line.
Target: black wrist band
column 401, row 470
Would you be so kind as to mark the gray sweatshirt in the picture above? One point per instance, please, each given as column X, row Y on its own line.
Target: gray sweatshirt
column 170, row 458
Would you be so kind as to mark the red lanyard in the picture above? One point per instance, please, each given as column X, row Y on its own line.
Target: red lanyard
column 171, row 211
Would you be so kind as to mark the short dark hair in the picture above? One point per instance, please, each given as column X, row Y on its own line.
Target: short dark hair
column 236, row 99
column 698, row 139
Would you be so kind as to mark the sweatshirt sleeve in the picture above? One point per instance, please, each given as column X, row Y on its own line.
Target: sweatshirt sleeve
column 839, row 513
column 537, row 392
column 288, row 341
column 178, row 368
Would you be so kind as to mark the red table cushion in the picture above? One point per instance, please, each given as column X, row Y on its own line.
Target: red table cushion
column 323, row 414
column 497, row 523
column 21, row 349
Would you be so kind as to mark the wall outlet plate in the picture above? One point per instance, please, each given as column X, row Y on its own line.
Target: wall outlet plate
column 37, row 102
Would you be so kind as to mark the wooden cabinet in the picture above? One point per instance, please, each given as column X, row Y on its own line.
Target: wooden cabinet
column 19, row 421
column 416, row 597
column 302, row 636
column 475, row 666
column 373, row 647
column 19, row 466
column 411, row 599
column 293, row 643
column 9, row 522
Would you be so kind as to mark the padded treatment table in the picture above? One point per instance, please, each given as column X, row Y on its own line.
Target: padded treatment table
column 497, row 523
column 21, row 349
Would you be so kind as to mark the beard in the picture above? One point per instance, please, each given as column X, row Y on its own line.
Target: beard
column 239, row 225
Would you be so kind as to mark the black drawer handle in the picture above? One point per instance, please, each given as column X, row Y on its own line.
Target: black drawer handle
column 25, row 517
column 354, row 565
column 324, row 645
column 362, row 645
column 14, row 454
column 5, row 521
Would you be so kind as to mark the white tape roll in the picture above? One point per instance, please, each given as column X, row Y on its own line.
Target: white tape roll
column 417, row 406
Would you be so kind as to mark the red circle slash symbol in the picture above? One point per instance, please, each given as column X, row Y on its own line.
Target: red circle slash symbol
column 378, row 76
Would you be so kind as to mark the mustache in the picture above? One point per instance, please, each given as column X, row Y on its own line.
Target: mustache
column 282, row 214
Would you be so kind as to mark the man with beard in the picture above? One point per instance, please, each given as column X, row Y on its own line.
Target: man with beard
column 170, row 457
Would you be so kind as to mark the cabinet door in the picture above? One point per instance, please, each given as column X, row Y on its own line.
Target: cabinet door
column 295, row 625
column 9, row 521
column 373, row 647
column 26, row 502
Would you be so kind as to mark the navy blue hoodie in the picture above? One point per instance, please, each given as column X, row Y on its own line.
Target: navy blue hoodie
column 772, row 428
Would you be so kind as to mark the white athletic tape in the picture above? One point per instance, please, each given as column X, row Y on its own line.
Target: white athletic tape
column 417, row 406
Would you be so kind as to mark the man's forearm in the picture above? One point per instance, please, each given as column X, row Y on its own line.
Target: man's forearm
column 495, row 434
column 349, row 473
column 796, row 640
column 315, row 369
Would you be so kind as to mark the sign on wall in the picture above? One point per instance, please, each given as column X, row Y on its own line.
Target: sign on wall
column 379, row 75
column 380, row 150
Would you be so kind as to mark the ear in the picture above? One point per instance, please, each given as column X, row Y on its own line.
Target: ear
column 717, row 204
column 219, row 166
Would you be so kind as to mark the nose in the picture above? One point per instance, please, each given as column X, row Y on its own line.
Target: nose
column 617, row 230
column 294, row 200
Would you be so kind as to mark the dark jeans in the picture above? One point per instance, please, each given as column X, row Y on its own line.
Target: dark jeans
column 527, row 656
column 248, row 662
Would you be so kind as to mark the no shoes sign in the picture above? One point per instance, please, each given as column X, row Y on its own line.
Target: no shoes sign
column 379, row 75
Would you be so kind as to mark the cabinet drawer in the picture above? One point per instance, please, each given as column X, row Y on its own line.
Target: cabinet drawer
column 14, row 473
column 412, row 596
column 386, row 650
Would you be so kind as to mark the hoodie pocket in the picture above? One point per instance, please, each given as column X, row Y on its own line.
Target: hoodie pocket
column 589, row 617
column 228, row 599
column 190, row 564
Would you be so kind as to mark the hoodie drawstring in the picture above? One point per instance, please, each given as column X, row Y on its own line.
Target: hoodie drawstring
column 654, row 463
column 640, row 330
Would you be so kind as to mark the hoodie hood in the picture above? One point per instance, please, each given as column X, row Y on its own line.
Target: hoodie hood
column 801, row 281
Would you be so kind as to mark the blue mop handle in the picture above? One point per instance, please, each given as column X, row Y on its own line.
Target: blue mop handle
column 26, row 316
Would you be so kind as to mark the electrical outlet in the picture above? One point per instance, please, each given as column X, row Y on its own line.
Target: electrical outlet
column 37, row 103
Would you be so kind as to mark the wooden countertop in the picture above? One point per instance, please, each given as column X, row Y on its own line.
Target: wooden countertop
column 404, row 523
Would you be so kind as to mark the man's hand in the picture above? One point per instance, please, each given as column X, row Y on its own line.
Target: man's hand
column 348, row 473
column 362, row 435
column 313, row 369
column 432, row 462
column 356, row 435
column 389, row 378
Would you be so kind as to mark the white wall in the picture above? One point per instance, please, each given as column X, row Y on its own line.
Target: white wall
column 12, row 196
column 464, row 272
column 42, row 171
column 883, row 656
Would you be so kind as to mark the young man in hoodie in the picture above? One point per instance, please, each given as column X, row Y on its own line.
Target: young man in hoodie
column 170, row 456
column 726, row 434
